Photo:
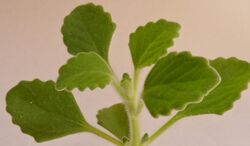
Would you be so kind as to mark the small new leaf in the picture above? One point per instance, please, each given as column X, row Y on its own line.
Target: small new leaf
column 88, row 28
column 144, row 138
column 235, row 75
column 43, row 112
column 86, row 70
column 148, row 43
column 126, row 83
column 115, row 120
column 176, row 81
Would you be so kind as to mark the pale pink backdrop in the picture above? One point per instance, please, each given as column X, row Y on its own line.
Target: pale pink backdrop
column 31, row 47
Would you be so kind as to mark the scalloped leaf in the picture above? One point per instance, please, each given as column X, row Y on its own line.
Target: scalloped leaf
column 148, row 43
column 43, row 112
column 86, row 70
column 115, row 120
column 235, row 75
column 88, row 28
column 176, row 81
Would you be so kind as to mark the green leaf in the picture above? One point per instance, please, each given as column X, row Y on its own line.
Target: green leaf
column 88, row 28
column 115, row 120
column 235, row 75
column 148, row 43
column 176, row 81
column 84, row 70
column 43, row 112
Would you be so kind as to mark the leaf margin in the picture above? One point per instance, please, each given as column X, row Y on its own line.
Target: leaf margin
column 102, row 86
column 200, row 99
column 84, row 126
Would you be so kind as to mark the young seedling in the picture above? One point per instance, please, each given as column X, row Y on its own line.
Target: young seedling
column 178, row 81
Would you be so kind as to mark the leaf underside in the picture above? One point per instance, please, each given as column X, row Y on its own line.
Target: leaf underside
column 235, row 75
column 176, row 81
column 88, row 28
column 115, row 120
column 86, row 70
column 43, row 112
column 150, row 42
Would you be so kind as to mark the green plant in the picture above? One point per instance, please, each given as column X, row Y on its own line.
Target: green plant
column 178, row 81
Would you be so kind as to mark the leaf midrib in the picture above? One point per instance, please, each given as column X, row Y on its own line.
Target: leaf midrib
column 150, row 44
column 54, row 113
column 82, row 73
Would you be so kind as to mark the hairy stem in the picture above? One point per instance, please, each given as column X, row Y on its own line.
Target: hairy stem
column 135, row 126
column 135, row 114
column 132, row 105
column 135, row 82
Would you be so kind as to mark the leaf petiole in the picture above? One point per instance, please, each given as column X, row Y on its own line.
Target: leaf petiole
column 161, row 130
column 103, row 135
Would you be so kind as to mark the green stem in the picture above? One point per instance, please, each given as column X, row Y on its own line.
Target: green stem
column 135, row 82
column 165, row 127
column 131, row 105
column 105, row 136
column 134, row 100
column 119, row 89
column 134, row 113
column 116, row 84
column 135, row 123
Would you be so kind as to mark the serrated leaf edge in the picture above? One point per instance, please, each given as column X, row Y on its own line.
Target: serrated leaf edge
column 238, row 95
column 149, row 24
column 94, row 86
column 26, row 132
column 99, row 112
column 182, row 115
column 183, row 107
column 209, row 91
column 96, row 6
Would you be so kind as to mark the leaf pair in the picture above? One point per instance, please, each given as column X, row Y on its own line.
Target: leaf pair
column 177, row 80
column 87, row 32
column 235, row 76
column 194, row 85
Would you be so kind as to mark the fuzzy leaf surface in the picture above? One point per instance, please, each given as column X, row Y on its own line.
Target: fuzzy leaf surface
column 115, row 120
column 150, row 42
column 88, row 28
column 235, row 75
column 176, row 81
column 43, row 112
column 86, row 70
